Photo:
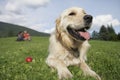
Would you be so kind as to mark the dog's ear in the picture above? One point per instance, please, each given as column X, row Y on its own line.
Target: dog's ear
column 57, row 22
column 58, row 28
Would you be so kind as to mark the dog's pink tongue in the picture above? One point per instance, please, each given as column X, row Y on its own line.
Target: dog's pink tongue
column 86, row 35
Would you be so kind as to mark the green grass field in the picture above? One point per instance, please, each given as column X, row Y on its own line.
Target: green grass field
column 103, row 57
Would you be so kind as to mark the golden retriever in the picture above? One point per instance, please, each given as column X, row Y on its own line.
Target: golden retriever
column 69, row 43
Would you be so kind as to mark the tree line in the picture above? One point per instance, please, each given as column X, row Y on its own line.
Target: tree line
column 106, row 33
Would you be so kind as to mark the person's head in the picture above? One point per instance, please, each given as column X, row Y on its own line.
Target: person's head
column 20, row 32
column 25, row 31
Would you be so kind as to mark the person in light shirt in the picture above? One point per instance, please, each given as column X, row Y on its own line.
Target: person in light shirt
column 26, row 36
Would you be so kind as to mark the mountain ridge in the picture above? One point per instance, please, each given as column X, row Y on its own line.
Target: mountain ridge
column 10, row 30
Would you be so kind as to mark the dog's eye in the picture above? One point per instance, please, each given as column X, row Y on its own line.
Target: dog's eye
column 72, row 14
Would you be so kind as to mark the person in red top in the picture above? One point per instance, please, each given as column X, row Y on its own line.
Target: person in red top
column 26, row 36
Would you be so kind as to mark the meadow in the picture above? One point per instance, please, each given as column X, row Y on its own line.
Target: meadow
column 103, row 57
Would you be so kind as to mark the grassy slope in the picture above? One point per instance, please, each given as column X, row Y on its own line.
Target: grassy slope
column 103, row 57
column 7, row 29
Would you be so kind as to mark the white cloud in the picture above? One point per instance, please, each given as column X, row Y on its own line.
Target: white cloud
column 12, row 7
column 35, row 3
column 42, row 27
column 13, row 18
column 105, row 20
column 39, row 27
column 8, row 18
column 17, row 11
column 49, row 30
column 17, row 6
column 11, row 13
column 100, row 20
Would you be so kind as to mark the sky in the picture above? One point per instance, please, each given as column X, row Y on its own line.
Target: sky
column 40, row 15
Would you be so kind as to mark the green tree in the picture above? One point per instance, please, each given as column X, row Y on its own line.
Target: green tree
column 118, row 36
column 107, row 33
column 111, row 33
column 103, row 33
column 95, row 35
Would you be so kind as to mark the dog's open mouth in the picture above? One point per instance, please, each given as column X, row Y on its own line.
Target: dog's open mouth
column 79, row 34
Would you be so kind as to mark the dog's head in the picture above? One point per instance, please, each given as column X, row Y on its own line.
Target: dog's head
column 74, row 22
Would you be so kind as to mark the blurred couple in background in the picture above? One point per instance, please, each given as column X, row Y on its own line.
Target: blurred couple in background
column 23, row 36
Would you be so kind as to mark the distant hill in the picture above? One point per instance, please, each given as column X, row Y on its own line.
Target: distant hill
column 9, row 30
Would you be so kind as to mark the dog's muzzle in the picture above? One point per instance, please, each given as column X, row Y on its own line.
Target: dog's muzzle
column 81, row 34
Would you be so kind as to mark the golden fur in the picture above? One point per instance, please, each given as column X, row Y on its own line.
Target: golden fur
column 60, row 53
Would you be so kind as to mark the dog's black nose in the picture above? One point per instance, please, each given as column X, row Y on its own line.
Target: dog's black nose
column 88, row 18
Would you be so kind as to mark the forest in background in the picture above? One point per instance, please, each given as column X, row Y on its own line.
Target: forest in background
column 106, row 33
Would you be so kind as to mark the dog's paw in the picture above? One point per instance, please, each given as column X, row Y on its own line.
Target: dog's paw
column 64, row 73
column 82, row 60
